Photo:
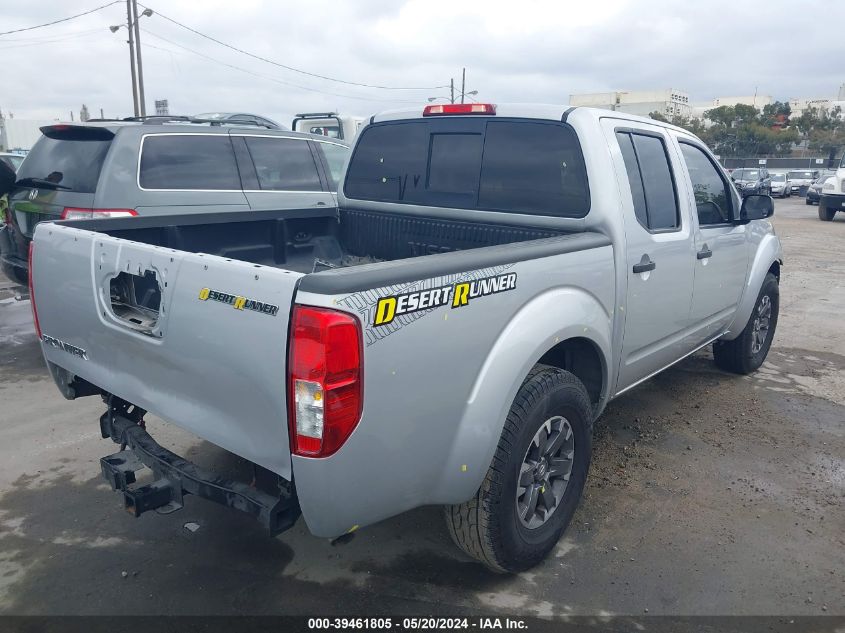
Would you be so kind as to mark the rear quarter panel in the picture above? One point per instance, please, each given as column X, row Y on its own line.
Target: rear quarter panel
column 438, row 384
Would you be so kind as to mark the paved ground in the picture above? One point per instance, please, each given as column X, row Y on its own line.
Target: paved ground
column 710, row 494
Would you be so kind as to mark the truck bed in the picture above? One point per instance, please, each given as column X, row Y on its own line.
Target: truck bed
column 141, row 308
column 308, row 241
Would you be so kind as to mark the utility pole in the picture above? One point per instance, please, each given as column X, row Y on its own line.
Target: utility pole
column 463, row 83
column 141, row 101
column 452, row 90
column 131, row 43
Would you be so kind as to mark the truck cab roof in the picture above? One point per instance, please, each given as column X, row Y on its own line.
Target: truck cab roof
column 541, row 111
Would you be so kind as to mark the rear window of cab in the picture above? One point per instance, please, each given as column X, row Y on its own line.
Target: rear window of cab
column 507, row 165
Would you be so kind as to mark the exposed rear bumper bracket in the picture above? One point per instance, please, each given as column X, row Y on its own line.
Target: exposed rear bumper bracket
column 176, row 477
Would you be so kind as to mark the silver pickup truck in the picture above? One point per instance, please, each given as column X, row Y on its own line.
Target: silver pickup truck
column 491, row 278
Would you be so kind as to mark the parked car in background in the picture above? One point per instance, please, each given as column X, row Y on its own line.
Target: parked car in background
column 12, row 160
column 119, row 168
column 781, row 186
column 833, row 194
column 815, row 191
column 801, row 178
column 240, row 118
column 752, row 181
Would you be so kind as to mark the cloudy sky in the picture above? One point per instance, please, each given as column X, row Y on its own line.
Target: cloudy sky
column 526, row 50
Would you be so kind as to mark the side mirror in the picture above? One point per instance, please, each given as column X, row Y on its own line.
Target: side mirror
column 756, row 207
column 7, row 178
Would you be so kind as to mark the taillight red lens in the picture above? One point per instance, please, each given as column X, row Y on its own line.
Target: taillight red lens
column 459, row 108
column 32, row 292
column 73, row 213
column 324, row 386
column 7, row 215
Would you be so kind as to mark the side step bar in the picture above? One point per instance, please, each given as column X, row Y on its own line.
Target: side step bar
column 176, row 477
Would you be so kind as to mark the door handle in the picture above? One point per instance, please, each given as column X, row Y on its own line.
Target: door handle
column 321, row 204
column 704, row 253
column 645, row 265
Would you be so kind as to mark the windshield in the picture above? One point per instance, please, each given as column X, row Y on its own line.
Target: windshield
column 746, row 174
column 842, row 162
column 800, row 175
column 778, row 177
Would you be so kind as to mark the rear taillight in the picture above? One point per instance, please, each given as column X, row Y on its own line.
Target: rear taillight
column 459, row 108
column 32, row 292
column 324, row 387
column 7, row 215
column 73, row 213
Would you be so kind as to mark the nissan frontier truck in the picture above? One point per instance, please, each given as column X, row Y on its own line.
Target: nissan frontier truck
column 492, row 276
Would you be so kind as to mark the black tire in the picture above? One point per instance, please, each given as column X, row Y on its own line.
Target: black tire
column 487, row 527
column 738, row 356
column 826, row 215
column 808, row 201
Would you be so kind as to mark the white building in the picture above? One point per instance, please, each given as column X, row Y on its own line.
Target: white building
column 758, row 101
column 799, row 104
column 669, row 102
column 20, row 133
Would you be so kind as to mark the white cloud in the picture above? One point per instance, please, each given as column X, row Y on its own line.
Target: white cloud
column 531, row 50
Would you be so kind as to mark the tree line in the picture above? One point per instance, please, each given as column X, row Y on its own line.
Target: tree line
column 743, row 130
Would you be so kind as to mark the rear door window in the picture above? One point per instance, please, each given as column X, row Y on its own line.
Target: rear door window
column 72, row 165
column 283, row 164
column 512, row 166
column 650, row 177
column 188, row 162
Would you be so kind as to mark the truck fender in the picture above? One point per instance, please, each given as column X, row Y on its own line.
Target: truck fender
column 768, row 252
column 548, row 319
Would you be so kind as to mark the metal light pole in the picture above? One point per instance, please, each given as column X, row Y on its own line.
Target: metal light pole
column 135, row 16
column 452, row 89
column 131, row 43
column 463, row 83
column 138, row 102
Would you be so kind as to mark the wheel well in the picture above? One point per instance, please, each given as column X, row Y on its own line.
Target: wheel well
column 580, row 357
column 775, row 270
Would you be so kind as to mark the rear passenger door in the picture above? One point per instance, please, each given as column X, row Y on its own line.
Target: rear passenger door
column 659, row 258
column 280, row 172
column 721, row 246
column 181, row 173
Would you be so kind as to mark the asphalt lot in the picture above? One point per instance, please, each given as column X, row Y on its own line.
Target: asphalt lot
column 709, row 494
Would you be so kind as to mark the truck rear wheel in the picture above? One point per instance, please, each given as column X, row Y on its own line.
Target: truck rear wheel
column 536, row 478
column 747, row 351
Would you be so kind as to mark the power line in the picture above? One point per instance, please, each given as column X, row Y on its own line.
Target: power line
column 280, row 65
column 73, row 17
column 51, row 40
column 47, row 38
column 259, row 75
